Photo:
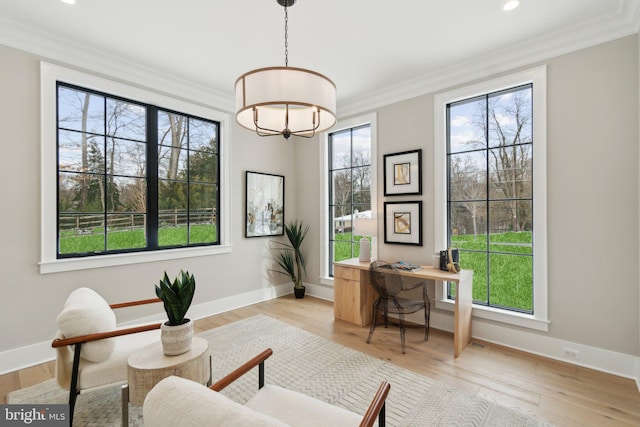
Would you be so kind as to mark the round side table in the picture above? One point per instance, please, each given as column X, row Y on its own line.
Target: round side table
column 150, row 365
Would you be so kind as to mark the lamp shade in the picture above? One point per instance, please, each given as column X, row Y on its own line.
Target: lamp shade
column 270, row 100
column 366, row 227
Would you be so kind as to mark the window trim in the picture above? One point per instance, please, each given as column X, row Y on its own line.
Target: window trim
column 538, row 76
column 370, row 119
column 49, row 75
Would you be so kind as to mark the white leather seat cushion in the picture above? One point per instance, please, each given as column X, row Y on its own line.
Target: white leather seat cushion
column 114, row 369
column 86, row 312
column 178, row 402
column 297, row 409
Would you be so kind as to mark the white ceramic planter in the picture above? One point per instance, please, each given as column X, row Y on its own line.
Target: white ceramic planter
column 176, row 339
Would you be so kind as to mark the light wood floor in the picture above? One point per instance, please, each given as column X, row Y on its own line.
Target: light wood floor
column 547, row 390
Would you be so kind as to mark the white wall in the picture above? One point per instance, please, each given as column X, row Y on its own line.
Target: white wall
column 593, row 208
column 31, row 301
column 592, row 161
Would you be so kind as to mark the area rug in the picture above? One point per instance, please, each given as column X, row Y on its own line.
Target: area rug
column 309, row 364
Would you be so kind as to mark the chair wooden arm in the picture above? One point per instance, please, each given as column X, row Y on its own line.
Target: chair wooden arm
column 377, row 407
column 61, row 342
column 134, row 303
column 238, row 372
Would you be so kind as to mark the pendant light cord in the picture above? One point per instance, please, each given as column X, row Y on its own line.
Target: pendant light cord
column 286, row 35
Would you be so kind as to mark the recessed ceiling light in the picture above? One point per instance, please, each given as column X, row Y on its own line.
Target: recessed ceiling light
column 510, row 4
column 68, row 1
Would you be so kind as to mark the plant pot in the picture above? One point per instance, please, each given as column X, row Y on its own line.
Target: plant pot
column 299, row 292
column 176, row 339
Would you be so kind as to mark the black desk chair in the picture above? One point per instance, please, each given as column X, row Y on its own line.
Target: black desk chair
column 389, row 284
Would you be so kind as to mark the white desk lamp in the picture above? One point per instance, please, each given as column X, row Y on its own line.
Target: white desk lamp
column 365, row 227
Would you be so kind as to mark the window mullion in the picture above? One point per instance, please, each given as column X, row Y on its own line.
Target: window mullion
column 152, row 177
column 104, row 177
column 487, row 204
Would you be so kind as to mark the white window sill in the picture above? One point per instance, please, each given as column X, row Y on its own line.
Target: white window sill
column 71, row 264
column 504, row 316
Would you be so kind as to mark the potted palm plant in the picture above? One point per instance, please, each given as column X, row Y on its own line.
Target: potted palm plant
column 177, row 332
column 289, row 260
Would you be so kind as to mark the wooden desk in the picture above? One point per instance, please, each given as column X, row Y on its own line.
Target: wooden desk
column 353, row 297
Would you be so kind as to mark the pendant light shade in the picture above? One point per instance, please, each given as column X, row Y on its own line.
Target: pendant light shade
column 285, row 100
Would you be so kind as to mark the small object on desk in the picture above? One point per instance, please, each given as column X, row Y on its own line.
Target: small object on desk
column 407, row 266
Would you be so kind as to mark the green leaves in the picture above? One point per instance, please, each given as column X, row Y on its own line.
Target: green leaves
column 290, row 260
column 176, row 296
column 287, row 264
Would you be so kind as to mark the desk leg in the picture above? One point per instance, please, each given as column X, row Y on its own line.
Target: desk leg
column 462, row 313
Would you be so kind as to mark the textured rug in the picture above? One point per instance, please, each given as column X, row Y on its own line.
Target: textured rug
column 309, row 364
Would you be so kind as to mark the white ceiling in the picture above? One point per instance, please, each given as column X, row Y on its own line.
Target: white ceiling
column 374, row 50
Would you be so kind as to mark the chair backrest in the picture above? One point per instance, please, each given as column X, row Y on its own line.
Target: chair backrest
column 385, row 279
column 86, row 312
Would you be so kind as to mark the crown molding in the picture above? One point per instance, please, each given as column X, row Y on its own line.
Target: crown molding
column 623, row 22
column 71, row 53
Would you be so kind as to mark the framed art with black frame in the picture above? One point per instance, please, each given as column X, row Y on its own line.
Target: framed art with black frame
column 403, row 223
column 264, row 204
column 403, row 173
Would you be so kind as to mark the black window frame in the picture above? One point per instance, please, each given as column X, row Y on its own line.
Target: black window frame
column 152, row 178
column 354, row 243
column 450, row 289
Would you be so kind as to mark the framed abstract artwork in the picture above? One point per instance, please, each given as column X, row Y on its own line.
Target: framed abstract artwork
column 403, row 173
column 403, row 223
column 264, row 205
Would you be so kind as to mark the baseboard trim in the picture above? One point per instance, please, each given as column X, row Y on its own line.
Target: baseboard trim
column 611, row 362
column 619, row 364
column 31, row 355
column 320, row 291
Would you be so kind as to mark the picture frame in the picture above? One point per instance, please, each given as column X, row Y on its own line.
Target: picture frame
column 403, row 173
column 403, row 223
column 264, row 204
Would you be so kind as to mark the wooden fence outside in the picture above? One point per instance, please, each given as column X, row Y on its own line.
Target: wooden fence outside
column 86, row 223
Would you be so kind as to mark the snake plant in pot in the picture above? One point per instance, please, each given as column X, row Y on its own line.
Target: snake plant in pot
column 177, row 332
column 289, row 260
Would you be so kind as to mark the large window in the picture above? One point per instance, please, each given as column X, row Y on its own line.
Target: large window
column 491, row 193
column 128, row 175
column 349, row 189
column 132, row 176
column 490, row 199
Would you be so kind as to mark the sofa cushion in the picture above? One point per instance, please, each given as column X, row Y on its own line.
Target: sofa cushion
column 178, row 402
column 296, row 408
column 114, row 369
column 86, row 312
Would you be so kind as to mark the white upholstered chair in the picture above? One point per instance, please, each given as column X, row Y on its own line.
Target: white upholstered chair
column 91, row 351
column 177, row 402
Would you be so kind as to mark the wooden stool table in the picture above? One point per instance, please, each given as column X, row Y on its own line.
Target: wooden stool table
column 150, row 365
